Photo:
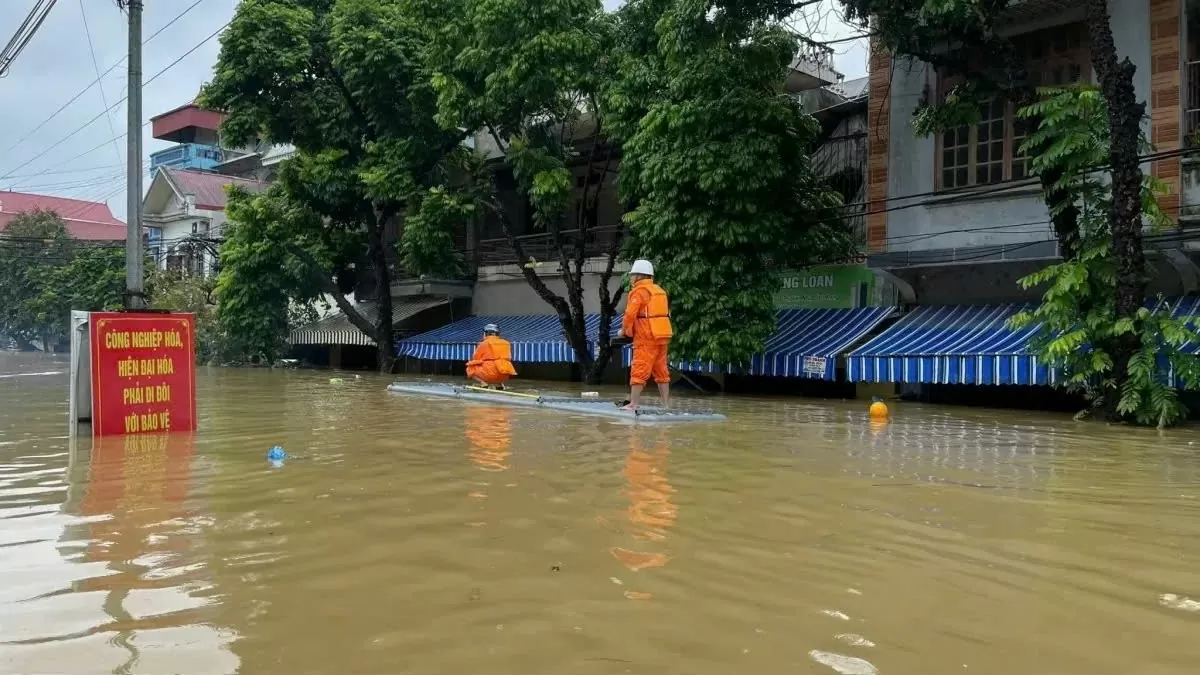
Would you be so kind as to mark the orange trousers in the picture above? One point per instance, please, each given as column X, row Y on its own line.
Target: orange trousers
column 489, row 372
column 649, row 361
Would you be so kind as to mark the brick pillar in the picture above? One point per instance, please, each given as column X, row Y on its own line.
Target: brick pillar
column 879, row 125
column 1166, row 111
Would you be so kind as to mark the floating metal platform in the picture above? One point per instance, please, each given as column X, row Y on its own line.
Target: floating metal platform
column 582, row 406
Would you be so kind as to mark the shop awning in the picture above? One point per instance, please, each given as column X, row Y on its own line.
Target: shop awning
column 952, row 345
column 973, row 345
column 336, row 329
column 806, row 343
column 1181, row 308
column 534, row 339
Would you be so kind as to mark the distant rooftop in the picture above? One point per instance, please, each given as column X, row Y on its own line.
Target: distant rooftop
column 91, row 221
column 208, row 189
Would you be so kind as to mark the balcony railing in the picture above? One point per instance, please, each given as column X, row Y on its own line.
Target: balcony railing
column 815, row 53
column 542, row 248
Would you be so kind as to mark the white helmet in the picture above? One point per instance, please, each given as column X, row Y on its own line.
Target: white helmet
column 642, row 267
column 491, row 328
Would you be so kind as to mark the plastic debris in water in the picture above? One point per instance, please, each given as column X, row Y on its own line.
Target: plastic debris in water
column 335, row 380
column 846, row 665
column 1172, row 601
column 276, row 454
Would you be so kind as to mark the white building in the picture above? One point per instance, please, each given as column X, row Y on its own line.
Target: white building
column 188, row 207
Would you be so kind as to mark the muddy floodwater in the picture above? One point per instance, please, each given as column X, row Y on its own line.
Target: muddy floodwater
column 405, row 535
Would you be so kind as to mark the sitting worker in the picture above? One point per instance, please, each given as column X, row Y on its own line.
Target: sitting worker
column 648, row 323
column 491, row 365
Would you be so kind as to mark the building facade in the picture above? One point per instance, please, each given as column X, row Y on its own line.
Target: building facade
column 187, row 208
column 957, row 219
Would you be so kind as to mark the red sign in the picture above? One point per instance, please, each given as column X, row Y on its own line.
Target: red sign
column 143, row 373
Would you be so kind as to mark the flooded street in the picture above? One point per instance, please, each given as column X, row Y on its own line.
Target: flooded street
column 406, row 535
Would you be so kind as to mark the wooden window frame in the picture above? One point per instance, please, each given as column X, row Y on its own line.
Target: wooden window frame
column 1044, row 58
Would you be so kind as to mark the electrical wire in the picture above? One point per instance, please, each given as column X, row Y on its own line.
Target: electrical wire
column 94, row 82
column 87, row 31
column 24, row 34
column 152, row 78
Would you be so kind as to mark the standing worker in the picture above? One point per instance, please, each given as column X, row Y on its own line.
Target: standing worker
column 491, row 365
column 648, row 322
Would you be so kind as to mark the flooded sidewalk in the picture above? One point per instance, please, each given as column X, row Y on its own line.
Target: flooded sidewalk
column 406, row 535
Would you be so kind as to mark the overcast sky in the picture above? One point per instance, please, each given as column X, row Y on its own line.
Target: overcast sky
column 58, row 64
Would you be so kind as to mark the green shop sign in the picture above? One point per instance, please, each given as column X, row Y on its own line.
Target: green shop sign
column 828, row 286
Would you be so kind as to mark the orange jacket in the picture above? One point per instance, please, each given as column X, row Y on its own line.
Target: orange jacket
column 494, row 349
column 647, row 313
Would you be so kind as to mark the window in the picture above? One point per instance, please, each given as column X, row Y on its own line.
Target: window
column 990, row 152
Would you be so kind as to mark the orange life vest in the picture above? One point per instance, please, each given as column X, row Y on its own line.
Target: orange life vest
column 656, row 312
column 500, row 351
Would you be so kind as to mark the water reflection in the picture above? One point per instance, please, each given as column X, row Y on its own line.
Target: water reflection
column 651, row 512
column 797, row 536
column 489, row 432
column 113, row 578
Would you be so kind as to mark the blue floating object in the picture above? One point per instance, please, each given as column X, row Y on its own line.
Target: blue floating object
column 276, row 454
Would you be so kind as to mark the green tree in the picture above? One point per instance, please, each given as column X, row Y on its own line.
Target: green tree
column 344, row 83
column 528, row 80
column 277, row 259
column 1080, row 328
column 716, row 160
column 45, row 273
column 985, row 57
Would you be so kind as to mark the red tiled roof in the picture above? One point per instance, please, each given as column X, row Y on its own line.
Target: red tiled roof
column 209, row 188
column 92, row 221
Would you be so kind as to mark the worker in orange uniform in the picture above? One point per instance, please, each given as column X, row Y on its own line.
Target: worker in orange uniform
column 648, row 322
column 491, row 365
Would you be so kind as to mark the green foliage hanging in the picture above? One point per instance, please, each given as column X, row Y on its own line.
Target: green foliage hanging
column 1080, row 330
column 716, row 158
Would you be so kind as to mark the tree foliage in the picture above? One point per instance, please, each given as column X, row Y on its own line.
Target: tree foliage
column 45, row 273
column 378, row 96
column 278, row 259
column 528, row 82
column 1080, row 328
column 716, row 157
column 344, row 83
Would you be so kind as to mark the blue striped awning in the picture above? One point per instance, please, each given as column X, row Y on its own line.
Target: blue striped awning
column 1181, row 308
column 973, row 345
column 806, row 343
column 952, row 345
column 535, row 339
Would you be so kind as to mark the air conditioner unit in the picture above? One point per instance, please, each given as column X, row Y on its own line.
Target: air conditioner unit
column 200, row 227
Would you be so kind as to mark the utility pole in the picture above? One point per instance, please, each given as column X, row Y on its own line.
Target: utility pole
column 135, row 299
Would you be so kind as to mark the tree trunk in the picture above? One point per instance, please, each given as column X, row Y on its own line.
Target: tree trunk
column 1125, row 213
column 1065, row 218
column 384, row 340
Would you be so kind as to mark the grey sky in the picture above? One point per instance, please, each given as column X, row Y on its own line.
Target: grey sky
column 57, row 65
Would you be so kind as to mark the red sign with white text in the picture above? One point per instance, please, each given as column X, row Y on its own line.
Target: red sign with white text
column 143, row 373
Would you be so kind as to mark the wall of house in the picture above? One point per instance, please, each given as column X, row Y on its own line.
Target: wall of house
column 502, row 291
column 918, row 218
column 967, row 284
column 177, row 224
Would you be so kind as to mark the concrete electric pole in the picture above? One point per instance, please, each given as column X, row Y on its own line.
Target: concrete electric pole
column 135, row 298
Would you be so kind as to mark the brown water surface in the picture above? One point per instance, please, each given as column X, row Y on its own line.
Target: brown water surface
column 406, row 535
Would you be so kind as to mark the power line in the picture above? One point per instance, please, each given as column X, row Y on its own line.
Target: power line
column 85, row 125
column 83, row 91
column 87, row 31
column 20, row 39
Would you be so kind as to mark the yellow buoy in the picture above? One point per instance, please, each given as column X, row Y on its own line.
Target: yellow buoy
column 879, row 409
